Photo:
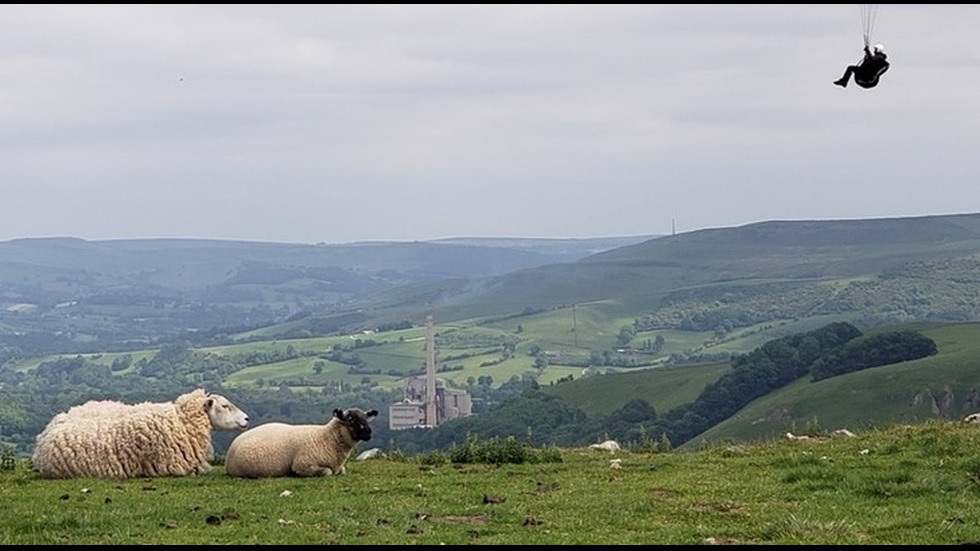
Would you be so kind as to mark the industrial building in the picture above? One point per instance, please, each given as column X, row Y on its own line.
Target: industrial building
column 428, row 401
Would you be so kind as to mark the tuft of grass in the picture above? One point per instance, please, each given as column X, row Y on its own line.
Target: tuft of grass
column 800, row 529
column 499, row 451
column 8, row 460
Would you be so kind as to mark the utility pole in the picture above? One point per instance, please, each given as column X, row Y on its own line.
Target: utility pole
column 574, row 326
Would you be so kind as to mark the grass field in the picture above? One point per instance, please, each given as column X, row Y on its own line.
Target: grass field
column 664, row 388
column 900, row 485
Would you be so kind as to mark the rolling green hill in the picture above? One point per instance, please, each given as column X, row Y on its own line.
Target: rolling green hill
column 870, row 272
column 664, row 388
column 945, row 386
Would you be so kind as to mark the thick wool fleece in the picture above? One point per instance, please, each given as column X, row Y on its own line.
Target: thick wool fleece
column 126, row 441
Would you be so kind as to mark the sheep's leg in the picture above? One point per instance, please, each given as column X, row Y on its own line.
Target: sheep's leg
column 313, row 470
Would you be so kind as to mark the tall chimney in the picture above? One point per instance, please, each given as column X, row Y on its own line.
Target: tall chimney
column 430, row 374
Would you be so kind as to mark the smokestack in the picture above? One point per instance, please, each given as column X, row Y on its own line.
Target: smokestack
column 430, row 374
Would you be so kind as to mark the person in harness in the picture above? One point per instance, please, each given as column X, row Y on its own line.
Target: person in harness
column 869, row 70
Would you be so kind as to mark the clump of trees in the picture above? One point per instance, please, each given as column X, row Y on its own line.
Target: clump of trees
column 873, row 351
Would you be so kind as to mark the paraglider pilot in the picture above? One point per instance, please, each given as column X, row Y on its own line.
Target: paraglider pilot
column 867, row 72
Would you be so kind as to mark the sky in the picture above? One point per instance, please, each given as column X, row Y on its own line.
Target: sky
column 348, row 123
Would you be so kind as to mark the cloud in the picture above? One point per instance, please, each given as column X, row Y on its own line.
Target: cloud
column 337, row 123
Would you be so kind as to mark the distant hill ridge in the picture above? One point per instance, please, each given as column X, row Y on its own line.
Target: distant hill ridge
column 642, row 274
column 214, row 286
column 864, row 235
column 64, row 294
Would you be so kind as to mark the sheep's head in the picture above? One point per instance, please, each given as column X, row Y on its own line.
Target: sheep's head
column 357, row 421
column 225, row 415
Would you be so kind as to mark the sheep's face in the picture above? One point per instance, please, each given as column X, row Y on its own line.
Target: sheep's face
column 224, row 414
column 357, row 421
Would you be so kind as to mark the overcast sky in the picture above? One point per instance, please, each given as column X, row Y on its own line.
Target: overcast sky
column 340, row 123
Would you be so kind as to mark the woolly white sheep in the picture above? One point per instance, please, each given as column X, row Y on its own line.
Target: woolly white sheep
column 109, row 439
column 280, row 449
column 972, row 418
column 610, row 446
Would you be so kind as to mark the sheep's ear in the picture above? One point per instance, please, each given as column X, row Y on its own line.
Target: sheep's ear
column 372, row 413
column 338, row 413
column 208, row 403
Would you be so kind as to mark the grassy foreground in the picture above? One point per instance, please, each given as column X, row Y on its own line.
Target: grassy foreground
column 898, row 485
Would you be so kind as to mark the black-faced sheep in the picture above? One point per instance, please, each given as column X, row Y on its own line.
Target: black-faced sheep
column 108, row 439
column 280, row 449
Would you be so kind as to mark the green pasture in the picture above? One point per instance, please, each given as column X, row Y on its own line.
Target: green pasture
column 897, row 485
column 294, row 369
column 104, row 358
column 664, row 388
column 317, row 344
